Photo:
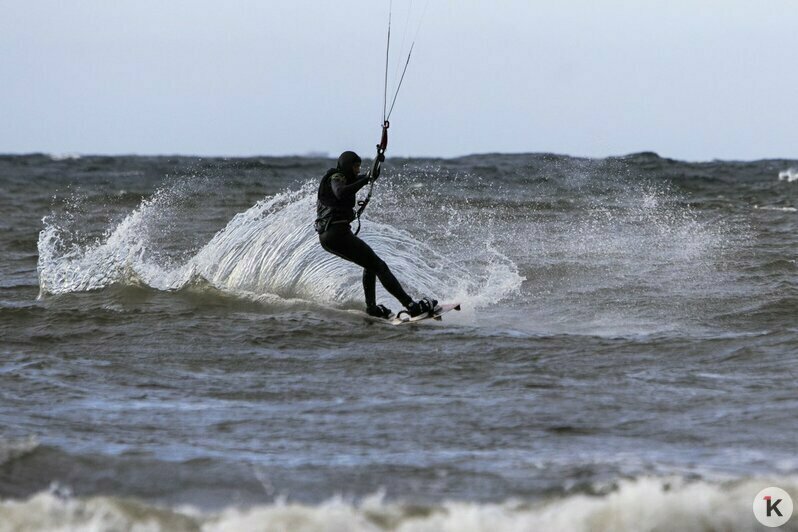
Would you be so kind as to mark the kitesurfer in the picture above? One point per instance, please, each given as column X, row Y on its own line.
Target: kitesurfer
column 334, row 213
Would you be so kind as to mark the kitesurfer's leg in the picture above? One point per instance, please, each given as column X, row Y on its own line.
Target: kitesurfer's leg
column 369, row 287
column 341, row 242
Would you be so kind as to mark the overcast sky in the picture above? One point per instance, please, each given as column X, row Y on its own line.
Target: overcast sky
column 693, row 80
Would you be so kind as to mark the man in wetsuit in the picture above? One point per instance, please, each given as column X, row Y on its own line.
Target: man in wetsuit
column 334, row 213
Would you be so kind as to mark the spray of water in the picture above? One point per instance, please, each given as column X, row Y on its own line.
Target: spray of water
column 269, row 252
column 789, row 175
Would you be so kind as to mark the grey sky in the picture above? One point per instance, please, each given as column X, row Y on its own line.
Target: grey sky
column 688, row 79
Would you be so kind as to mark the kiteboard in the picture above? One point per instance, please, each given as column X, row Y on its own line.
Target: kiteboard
column 403, row 317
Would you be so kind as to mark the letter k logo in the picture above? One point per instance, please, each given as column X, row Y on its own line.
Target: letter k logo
column 777, row 509
column 772, row 506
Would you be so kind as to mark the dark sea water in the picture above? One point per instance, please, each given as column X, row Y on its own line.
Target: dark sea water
column 179, row 353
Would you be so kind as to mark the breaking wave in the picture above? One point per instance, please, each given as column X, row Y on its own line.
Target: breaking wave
column 789, row 175
column 641, row 504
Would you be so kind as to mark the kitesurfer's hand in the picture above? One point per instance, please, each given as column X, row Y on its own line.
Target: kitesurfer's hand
column 381, row 157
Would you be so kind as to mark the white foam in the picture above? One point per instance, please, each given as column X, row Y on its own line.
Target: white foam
column 641, row 504
column 773, row 208
column 789, row 175
column 64, row 156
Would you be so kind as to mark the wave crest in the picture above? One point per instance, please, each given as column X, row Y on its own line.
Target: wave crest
column 639, row 504
column 789, row 175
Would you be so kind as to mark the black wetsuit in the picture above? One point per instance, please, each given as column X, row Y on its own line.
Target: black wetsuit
column 335, row 211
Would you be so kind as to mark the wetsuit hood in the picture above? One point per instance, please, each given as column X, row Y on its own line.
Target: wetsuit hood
column 347, row 161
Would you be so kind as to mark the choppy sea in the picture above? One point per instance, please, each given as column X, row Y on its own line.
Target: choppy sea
column 178, row 353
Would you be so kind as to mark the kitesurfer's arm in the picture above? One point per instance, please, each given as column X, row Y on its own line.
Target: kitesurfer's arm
column 341, row 189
